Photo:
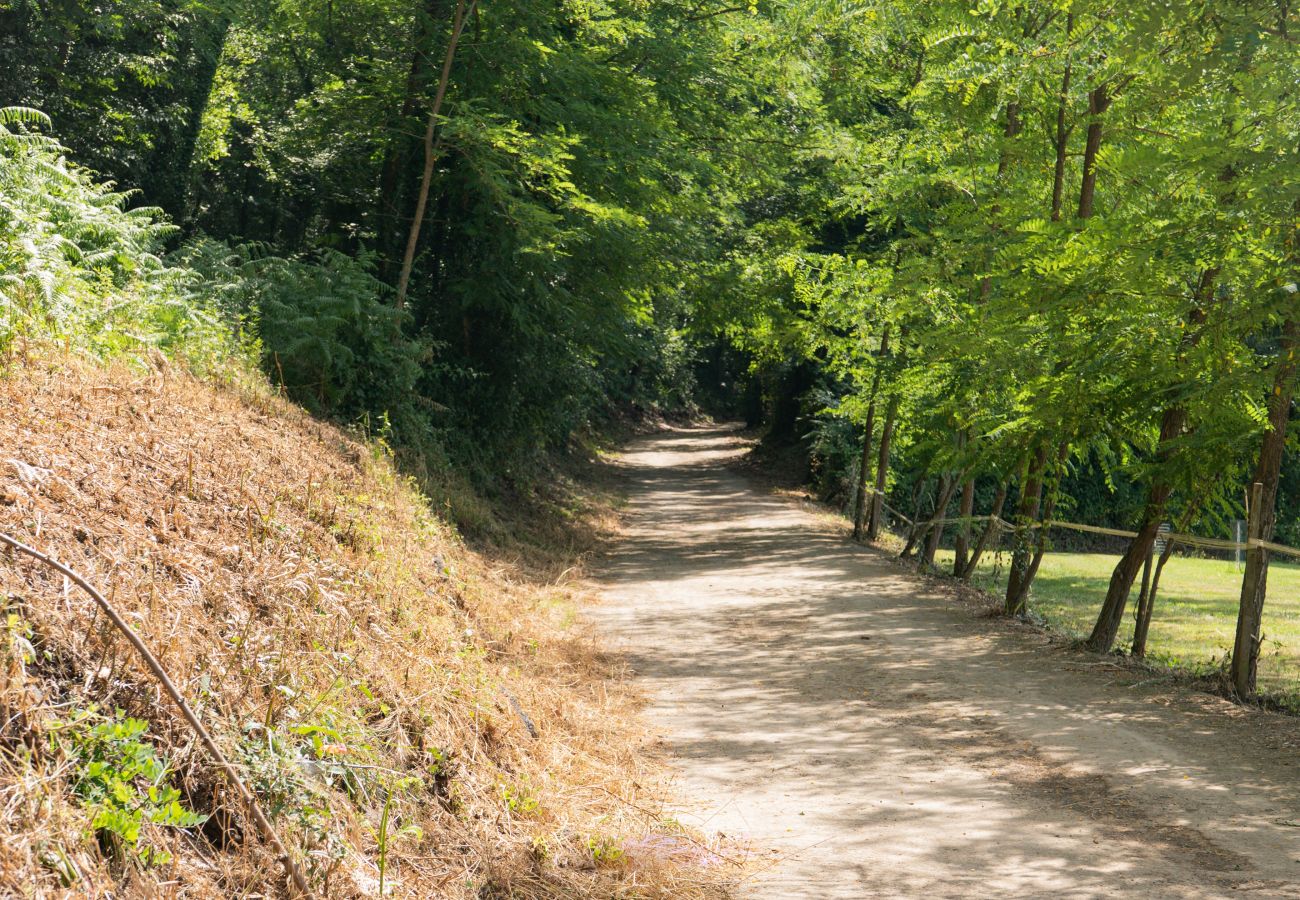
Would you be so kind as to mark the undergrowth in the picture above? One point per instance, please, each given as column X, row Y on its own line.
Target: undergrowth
column 122, row 783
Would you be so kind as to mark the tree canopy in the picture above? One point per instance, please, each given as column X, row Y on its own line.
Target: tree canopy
column 1042, row 252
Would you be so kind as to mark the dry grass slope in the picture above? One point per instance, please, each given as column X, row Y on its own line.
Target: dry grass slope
column 410, row 711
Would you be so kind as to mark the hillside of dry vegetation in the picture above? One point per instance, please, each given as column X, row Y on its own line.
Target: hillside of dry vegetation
column 420, row 720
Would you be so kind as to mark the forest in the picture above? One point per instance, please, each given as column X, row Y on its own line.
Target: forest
column 994, row 264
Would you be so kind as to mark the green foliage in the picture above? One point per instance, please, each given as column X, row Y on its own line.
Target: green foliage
column 123, row 783
column 604, row 850
column 282, row 777
column 625, row 196
column 77, row 265
column 519, row 797
column 122, row 80
column 594, row 174
column 324, row 328
column 1020, row 320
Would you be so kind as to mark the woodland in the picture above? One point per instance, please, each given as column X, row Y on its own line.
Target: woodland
column 1021, row 260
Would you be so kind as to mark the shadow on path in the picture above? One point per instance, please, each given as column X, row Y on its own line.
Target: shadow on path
column 884, row 742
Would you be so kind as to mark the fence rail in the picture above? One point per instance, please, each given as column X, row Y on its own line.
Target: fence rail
column 1187, row 540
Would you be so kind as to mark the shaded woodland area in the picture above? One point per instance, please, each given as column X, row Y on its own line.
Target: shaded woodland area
column 582, row 173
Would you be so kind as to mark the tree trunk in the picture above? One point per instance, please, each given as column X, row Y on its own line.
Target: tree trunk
column 914, row 534
column 1268, row 469
column 1098, row 101
column 860, row 508
column 882, row 472
column 934, row 531
column 993, row 526
column 1146, row 602
column 1126, row 570
column 1040, row 546
column 1026, row 514
column 862, row 498
column 1111, row 615
column 430, row 154
column 1143, row 623
column 965, row 510
column 394, row 180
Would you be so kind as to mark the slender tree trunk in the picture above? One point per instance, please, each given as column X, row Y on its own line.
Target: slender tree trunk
column 1026, row 515
column 916, row 531
column 1263, row 517
column 1144, row 595
column 992, row 527
column 965, row 510
column 1111, row 616
column 934, row 531
column 882, row 471
column 396, row 157
column 1040, row 546
column 1142, row 625
column 1126, row 570
column 430, row 153
column 864, row 469
column 1146, row 602
column 1009, row 131
column 1098, row 101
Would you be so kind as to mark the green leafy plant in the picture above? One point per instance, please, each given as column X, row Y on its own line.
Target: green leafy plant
column 605, row 850
column 123, row 783
column 519, row 798
column 77, row 264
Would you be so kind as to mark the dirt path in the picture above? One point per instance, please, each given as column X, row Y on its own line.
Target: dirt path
column 880, row 739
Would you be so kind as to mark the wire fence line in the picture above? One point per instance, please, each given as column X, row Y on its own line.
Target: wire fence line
column 1186, row 540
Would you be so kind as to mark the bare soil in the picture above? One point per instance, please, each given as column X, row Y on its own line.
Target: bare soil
column 867, row 734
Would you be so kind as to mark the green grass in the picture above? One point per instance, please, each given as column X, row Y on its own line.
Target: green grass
column 1195, row 614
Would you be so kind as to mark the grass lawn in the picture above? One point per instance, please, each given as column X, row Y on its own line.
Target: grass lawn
column 1195, row 614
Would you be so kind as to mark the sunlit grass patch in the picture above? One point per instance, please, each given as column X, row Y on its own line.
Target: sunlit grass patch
column 1195, row 613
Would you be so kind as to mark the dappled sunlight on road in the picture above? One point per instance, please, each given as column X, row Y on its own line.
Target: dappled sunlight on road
column 881, row 740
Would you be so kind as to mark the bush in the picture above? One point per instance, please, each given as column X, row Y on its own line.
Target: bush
column 325, row 331
column 123, row 783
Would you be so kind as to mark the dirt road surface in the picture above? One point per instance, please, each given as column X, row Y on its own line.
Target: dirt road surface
column 873, row 736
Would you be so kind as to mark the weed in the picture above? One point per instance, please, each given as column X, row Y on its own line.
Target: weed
column 384, row 836
column 540, row 848
column 604, row 850
column 280, row 775
column 123, row 783
column 519, row 798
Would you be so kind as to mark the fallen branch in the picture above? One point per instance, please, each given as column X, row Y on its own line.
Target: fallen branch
column 263, row 824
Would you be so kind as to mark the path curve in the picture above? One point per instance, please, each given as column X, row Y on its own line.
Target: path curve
column 878, row 738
